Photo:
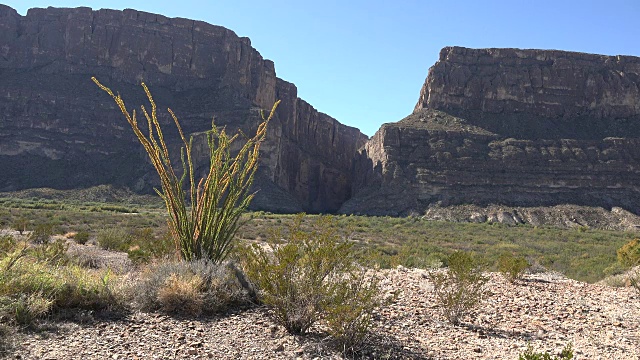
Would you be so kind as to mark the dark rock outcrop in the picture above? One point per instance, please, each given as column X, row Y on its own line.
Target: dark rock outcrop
column 57, row 129
column 510, row 127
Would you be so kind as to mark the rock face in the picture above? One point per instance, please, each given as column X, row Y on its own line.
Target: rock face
column 57, row 129
column 510, row 127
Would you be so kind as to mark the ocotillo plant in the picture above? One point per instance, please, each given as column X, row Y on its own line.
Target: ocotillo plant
column 205, row 228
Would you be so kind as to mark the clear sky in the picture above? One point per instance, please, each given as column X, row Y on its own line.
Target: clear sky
column 364, row 62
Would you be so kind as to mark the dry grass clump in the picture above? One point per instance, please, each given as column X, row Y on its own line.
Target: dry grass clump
column 182, row 294
column 37, row 279
column 192, row 288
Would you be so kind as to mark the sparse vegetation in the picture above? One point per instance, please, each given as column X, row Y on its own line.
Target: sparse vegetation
column 311, row 275
column 204, row 230
column 20, row 225
column 114, row 239
column 529, row 354
column 634, row 280
column 81, row 237
column 511, row 266
column 141, row 245
column 461, row 288
column 42, row 233
column 36, row 280
column 629, row 253
column 46, row 283
column 192, row 288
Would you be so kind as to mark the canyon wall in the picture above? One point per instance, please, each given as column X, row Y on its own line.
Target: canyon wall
column 510, row 127
column 57, row 129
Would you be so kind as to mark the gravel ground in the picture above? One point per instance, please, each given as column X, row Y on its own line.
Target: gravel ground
column 545, row 310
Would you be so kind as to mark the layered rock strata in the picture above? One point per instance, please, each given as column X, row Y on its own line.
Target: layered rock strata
column 510, row 127
column 57, row 129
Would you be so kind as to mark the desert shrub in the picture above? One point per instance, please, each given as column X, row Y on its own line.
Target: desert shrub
column 81, row 237
column 348, row 315
column 461, row 288
column 141, row 245
column 118, row 209
column 205, row 228
column 7, row 244
column 41, row 233
column 313, row 276
column 529, row 354
column 614, row 269
column 53, row 252
column 634, row 279
column 20, row 225
column 192, row 288
column 511, row 266
column 117, row 239
column 144, row 245
column 629, row 253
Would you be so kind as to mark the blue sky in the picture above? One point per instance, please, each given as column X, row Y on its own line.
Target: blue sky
column 364, row 62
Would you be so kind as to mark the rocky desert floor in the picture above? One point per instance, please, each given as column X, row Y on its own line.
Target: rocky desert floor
column 546, row 311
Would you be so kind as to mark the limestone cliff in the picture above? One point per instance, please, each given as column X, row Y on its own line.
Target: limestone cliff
column 510, row 127
column 57, row 129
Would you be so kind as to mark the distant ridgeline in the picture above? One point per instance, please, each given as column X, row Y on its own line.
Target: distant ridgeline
column 492, row 126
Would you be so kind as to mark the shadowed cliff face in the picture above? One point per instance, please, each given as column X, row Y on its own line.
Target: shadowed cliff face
column 57, row 129
column 510, row 127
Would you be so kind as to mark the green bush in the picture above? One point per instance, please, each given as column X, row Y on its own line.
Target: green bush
column 21, row 225
column 81, row 237
column 348, row 315
column 114, row 239
column 629, row 253
column 313, row 276
column 614, row 269
column 512, row 267
column 141, row 245
column 41, row 234
column 192, row 288
column 7, row 244
column 565, row 354
column 144, row 245
column 52, row 252
column 461, row 288
column 204, row 222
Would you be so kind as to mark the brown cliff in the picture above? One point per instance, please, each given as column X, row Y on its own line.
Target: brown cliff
column 510, row 127
column 58, row 130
